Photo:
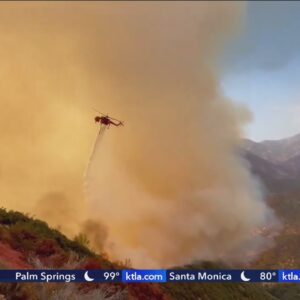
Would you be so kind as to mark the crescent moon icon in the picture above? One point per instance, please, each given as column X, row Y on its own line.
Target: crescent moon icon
column 87, row 277
column 243, row 277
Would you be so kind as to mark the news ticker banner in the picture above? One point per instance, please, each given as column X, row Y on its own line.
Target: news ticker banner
column 150, row 276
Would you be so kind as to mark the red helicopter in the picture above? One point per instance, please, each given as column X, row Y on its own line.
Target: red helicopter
column 107, row 121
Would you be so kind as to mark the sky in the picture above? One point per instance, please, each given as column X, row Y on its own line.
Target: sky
column 262, row 69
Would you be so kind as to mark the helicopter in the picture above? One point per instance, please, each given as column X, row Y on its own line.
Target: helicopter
column 106, row 120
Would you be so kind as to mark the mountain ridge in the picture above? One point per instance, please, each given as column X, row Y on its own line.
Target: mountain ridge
column 275, row 162
column 276, row 151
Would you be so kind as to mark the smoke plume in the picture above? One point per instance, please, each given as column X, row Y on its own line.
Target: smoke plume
column 169, row 186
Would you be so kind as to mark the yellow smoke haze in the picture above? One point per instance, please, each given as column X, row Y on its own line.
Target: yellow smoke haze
column 168, row 187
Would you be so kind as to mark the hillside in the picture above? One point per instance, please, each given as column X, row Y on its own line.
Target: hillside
column 26, row 242
column 285, row 252
column 277, row 164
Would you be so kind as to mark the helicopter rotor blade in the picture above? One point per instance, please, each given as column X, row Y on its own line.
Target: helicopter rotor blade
column 99, row 112
column 115, row 119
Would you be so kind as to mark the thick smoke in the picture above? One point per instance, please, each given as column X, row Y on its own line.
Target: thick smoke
column 96, row 233
column 168, row 186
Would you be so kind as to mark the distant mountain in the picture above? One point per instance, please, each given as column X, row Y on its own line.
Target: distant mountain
column 276, row 151
column 276, row 162
column 292, row 165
